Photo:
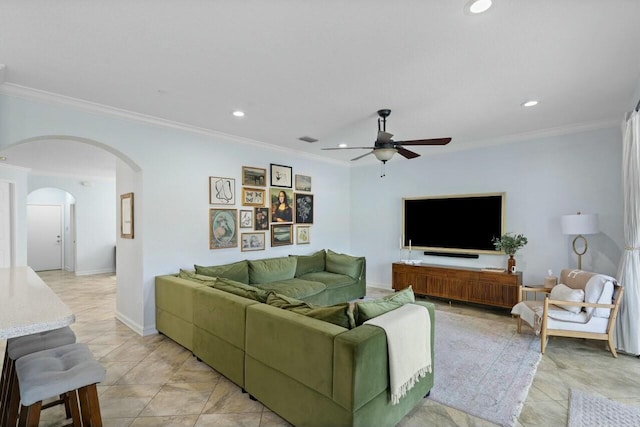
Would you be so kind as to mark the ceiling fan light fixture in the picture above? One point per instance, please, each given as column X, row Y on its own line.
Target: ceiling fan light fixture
column 238, row 113
column 342, row 145
column 384, row 154
column 478, row 6
column 530, row 103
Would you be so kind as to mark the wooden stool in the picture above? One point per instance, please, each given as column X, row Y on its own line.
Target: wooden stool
column 69, row 370
column 19, row 347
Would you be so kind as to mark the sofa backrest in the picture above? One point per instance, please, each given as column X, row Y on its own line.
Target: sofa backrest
column 598, row 288
column 271, row 270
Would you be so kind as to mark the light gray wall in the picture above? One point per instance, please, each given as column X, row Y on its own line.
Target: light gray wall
column 18, row 177
column 543, row 179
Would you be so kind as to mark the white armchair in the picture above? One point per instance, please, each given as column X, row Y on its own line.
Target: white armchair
column 582, row 305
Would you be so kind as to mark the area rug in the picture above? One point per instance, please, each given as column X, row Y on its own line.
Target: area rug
column 483, row 367
column 586, row 410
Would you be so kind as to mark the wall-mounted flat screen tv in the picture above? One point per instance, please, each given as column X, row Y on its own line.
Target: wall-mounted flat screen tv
column 460, row 223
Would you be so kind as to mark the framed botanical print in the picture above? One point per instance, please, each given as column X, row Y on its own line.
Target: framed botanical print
column 281, row 201
column 252, row 242
column 126, row 216
column 304, row 208
column 303, row 235
column 253, row 196
column 303, row 183
column 281, row 176
column 222, row 191
column 246, row 219
column 223, row 228
column 256, row 177
column 281, row 234
column 261, row 221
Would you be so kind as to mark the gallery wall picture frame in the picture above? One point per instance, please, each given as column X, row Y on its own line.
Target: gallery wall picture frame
column 303, row 235
column 261, row 219
column 223, row 228
column 304, row 208
column 281, row 210
column 253, row 196
column 303, row 183
column 281, row 234
column 252, row 242
column 126, row 216
column 252, row 176
column 222, row 191
column 281, row 176
column 246, row 219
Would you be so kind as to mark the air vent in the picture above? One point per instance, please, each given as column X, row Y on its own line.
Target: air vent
column 307, row 139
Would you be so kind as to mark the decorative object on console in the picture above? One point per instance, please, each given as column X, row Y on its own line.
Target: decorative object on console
column 580, row 224
column 510, row 243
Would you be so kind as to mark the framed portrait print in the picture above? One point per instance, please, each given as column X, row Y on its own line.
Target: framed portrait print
column 222, row 191
column 223, row 228
column 304, row 208
column 261, row 221
column 303, row 235
column 253, row 196
column 254, row 176
column 281, row 202
column 281, row 234
column 252, row 242
column 303, row 183
column 126, row 216
column 246, row 219
column 281, row 176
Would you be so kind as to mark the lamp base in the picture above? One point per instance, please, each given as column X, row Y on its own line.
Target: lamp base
column 586, row 246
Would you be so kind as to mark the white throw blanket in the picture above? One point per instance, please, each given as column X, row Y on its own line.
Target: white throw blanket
column 408, row 330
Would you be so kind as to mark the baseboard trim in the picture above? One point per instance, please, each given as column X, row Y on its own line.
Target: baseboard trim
column 90, row 272
column 135, row 327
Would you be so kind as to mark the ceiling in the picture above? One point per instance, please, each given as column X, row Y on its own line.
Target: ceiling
column 322, row 69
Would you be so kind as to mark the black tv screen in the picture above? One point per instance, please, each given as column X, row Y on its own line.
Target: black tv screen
column 464, row 223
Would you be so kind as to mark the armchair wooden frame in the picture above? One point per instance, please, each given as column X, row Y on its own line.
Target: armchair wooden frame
column 606, row 336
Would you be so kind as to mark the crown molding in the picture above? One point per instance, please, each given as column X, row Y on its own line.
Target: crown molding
column 15, row 167
column 12, row 89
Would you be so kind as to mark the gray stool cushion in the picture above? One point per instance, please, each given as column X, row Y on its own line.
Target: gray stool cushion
column 52, row 372
column 21, row 346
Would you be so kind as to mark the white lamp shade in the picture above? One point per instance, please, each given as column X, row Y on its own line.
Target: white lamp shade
column 580, row 224
column 384, row 154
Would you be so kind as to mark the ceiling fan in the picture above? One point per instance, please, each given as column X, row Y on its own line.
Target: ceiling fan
column 384, row 148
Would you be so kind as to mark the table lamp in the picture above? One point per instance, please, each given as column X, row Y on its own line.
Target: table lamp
column 580, row 224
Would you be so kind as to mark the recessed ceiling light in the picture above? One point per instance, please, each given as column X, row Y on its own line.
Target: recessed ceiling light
column 343, row 145
column 3, row 159
column 530, row 103
column 477, row 6
column 238, row 113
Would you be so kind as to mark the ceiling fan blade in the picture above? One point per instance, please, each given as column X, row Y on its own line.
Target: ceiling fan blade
column 348, row 148
column 359, row 157
column 407, row 153
column 383, row 137
column 433, row 141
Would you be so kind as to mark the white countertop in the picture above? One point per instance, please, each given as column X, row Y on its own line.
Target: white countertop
column 28, row 305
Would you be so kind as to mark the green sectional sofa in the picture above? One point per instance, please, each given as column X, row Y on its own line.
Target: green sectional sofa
column 309, row 371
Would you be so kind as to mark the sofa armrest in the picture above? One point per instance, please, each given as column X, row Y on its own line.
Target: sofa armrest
column 175, row 295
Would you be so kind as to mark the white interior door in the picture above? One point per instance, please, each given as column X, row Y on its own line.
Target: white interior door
column 44, row 237
column 5, row 224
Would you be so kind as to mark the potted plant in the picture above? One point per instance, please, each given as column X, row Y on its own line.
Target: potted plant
column 509, row 243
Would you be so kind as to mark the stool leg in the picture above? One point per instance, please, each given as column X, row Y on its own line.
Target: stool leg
column 71, row 400
column 30, row 415
column 10, row 418
column 3, row 381
column 90, row 406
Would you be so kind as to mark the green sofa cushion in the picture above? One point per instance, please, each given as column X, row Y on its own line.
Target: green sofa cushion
column 370, row 309
column 310, row 263
column 332, row 280
column 339, row 314
column 238, row 271
column 272, row 270
column 296, row 288
column 241, row 289
column 198, row 278
column 344, row 264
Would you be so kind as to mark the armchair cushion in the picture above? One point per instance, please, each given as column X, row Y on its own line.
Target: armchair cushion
column 562, row 292
column 599, row 290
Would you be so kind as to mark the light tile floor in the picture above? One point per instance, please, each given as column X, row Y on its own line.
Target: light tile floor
column 152, row 381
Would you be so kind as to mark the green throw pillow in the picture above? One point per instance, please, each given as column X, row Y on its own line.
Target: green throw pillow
column 310, row 263
column 339, row 314
column 199, row 278
column 271, row 270
column 369, row 309
column 238, row 271
column 344, row 264
column 240, row 289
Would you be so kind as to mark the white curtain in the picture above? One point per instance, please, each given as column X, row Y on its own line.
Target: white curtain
column 628, row 322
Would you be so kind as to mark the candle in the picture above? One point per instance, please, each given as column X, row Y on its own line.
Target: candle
column 409, row 245
column 401, row 239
